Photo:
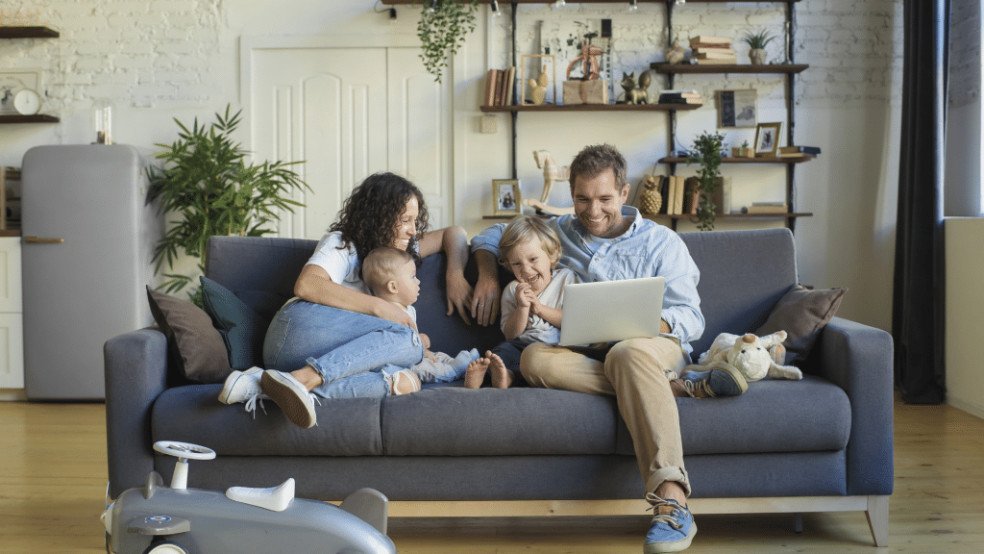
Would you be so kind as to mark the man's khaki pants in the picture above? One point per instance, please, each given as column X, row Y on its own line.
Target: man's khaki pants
column 638, row 373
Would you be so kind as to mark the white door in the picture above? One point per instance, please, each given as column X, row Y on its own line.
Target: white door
column 348, row 113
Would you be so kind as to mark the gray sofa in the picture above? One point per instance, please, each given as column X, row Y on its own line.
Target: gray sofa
column 820, row 444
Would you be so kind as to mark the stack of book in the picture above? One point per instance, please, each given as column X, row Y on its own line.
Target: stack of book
column 680, row 97
column 712, row 50
column 778, row 207
column 499, row 87
column 799, row 151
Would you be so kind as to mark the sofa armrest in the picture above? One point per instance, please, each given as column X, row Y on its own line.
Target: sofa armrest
column 136, row 374
column 859, row 359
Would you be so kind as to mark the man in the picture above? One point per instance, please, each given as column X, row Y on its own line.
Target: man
column 603, row 241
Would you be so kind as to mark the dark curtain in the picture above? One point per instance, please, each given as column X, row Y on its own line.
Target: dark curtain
column 917, row 307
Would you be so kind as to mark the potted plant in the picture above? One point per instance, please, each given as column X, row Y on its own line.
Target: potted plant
column 442, row 29
column 743, row 151
column 207, row 187
column 756, row 43
column 707, row 152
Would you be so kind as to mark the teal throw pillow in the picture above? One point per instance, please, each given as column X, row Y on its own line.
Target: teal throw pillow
column 242, row 329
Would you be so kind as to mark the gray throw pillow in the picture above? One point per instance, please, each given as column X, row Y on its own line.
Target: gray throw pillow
column 802, row 313
column 194, row 346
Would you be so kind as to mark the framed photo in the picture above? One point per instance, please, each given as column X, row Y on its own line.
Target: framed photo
column 736, row 108
column 767, row 138
column 12, row 81
column 506, row 197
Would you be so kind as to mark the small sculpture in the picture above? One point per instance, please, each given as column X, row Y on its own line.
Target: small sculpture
column 676, row 54
column 634, row 94
column 590, row 60
column 538, row 89
column 551, row 171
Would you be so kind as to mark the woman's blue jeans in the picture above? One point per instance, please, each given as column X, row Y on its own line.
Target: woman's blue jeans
column 347, row 348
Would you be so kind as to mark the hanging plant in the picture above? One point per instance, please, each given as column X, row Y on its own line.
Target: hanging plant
column 442, row 29
column 707, row 152
column 208, row 187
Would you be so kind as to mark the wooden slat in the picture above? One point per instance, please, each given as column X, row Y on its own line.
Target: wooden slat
column 27, row 32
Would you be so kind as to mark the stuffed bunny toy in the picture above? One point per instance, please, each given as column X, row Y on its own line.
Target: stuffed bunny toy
column 755, row 357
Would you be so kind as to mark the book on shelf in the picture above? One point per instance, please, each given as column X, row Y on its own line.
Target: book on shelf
column 677, row 100
column 685, row 93
column 808, row 150
column 713, row 51
column 670, row 195
column 721, row 197
column 510, row 79
column 490, row 83
column 679, row 183
column 691, row 195
column 708, row 41
column 502, row 85
column 726, row 55
column 777, row 207
column 664, row 194
column 716, row 61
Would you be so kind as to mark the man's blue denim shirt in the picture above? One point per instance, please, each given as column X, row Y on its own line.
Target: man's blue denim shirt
column 646, row 249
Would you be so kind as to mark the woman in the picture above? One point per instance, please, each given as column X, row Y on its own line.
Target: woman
column 333, row 328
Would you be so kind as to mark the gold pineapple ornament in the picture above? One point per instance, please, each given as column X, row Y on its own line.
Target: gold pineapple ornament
column 650, row 200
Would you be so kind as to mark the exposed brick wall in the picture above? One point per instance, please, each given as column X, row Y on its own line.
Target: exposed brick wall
column 131, row 52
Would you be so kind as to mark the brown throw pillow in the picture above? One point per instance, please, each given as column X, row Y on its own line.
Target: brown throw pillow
column 802, row 313
column 194, row 346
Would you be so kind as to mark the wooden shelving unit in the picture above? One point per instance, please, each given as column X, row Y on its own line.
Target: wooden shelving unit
column 717, row 69
column 37, row 118
column 591, row 108
column 27, row 32
column 797, row 160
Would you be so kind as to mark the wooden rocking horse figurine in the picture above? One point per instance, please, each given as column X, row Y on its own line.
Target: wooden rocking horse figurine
column 551, row 172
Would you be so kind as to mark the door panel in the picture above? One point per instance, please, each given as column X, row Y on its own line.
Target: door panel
column 348, row 113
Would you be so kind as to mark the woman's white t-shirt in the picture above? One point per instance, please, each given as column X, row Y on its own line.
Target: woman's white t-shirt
column 342, row 264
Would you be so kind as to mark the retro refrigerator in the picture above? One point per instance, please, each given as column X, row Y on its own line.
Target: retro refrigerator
column 88, row 237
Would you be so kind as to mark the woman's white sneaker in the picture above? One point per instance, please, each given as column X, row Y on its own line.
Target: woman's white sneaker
column 292, row 397
column 241, row 386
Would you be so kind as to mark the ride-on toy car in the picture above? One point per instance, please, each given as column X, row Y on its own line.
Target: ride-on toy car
column 179, row 520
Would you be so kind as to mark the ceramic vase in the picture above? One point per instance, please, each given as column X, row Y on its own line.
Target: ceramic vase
column 757, row 55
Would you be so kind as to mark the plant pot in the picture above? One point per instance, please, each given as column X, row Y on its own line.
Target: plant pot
column 757, row 55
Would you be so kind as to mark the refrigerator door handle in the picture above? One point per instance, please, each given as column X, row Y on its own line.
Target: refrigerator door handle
column 32, row 239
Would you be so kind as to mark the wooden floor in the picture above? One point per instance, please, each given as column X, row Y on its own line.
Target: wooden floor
column 53, row 481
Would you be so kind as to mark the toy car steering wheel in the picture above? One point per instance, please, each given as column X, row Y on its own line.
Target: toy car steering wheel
column 183, row 451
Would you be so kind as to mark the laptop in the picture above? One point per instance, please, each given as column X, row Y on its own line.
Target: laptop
column 610, row 311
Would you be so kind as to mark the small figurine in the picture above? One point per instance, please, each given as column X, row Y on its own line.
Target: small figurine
column 551, row 171
column 676, row 54
column 634, row 94
column 538, row 89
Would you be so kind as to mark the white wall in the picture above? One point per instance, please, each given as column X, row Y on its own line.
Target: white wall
column 160, row 59
column 964, row 306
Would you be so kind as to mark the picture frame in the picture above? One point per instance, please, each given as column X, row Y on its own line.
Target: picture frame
column 14, row 80
column 506, row 197
column 525, row 74
column 767, row 139
column 736, row 108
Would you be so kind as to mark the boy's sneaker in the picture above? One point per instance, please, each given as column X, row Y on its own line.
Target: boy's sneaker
column 669, row 532
column 292, row 397
column 241, row 386
column 722, row 379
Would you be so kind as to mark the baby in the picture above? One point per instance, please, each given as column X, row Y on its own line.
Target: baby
column 531, row 305
column 391, row 274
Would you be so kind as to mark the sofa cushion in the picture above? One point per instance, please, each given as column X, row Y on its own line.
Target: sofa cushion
column 242, row 329
column 454, row 421
column 773, row 416
column 802, row 313
column 194, row 346
column 192, row 413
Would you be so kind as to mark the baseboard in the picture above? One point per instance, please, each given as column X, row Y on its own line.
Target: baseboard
column 13, row 395
column 973, row 408
column 635, row 507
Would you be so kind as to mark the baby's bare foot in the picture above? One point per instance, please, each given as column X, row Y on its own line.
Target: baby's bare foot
column 501, row 376
column 475, row 373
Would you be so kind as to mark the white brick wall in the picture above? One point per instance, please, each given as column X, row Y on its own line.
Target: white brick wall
column 965, row 52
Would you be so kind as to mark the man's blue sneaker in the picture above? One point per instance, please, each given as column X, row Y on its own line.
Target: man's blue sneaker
column 718, row 379
column 669, row 532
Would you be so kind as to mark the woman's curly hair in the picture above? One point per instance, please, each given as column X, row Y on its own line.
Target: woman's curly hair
column 369, row 215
